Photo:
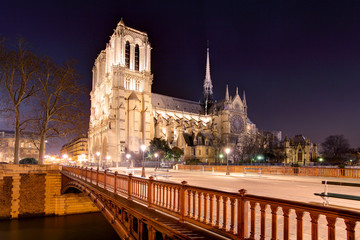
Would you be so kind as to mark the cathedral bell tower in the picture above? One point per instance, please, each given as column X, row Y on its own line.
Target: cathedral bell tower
column 208, row 92
column 120, row 120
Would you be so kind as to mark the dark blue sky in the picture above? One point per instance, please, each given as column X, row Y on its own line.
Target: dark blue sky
column 298, row 61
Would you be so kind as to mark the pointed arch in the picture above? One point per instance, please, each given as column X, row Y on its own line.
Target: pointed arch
column 137, row 57
column 127, row 54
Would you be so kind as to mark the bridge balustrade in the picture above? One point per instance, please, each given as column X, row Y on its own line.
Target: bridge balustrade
column 234, row 215
column 284, row 170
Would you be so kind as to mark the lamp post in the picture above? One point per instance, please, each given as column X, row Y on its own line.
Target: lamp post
column 98, row 158
column 221, row 156
column 107, row 160
column 65, row 157
column 143, row 148
column 156, row 156
column 128, row 156
column 227, row 151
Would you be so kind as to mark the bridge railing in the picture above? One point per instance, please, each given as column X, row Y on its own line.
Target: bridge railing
column 284, row 170
column 235, row 215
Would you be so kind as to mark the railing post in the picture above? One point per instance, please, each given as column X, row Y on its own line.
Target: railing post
column 115, row 177
column 129, row 185
column 150, row 191
column 97, row 176
column 85, row 174
column 105, row 179
column 91, row 171
column 182, row 200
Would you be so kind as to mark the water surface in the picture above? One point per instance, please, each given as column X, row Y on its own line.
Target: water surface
column 89, row 226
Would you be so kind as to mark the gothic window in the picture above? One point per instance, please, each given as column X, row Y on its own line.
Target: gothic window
column 194, row 152
column 137, row 54
column 207, row 151
column 300, row 156
column 127, row 54
column 137, row 85
column 127, row 83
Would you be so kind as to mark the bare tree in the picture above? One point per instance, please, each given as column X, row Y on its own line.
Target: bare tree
column 61, row 112
column 17, row 68
column 336, row 149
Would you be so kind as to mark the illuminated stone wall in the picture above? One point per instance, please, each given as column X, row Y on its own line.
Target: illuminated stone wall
column 33, row 190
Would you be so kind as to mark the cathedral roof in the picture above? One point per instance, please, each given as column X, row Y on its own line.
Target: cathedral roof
column 175, row 104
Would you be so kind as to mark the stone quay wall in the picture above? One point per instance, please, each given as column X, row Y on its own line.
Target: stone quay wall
column 35, row 190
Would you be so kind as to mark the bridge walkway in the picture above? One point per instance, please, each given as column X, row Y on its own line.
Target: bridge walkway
column 168, row 224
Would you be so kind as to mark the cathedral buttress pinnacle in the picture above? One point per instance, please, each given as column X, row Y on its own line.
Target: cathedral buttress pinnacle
column 207, row 84
column 227, row 94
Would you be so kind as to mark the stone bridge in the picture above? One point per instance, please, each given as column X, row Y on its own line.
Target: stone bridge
column 140, row 208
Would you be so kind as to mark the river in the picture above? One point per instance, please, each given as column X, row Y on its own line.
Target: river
column 89, row 226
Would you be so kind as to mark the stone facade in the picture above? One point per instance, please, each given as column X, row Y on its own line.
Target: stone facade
column 76, row 150
column 33, row 190
column 125, row 113
column 298, row 150
column 27, row 149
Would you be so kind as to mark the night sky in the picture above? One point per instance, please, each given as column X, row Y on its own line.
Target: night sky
column 298, row 61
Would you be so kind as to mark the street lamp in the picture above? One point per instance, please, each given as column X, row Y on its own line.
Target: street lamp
column 157, row 160
column 227, row 151
column 128, row 156
column 107, row 160
column 98, row 158
column 221, row 156
column 143, row 148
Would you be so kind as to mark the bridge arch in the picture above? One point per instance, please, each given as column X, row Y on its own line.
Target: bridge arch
column 129, row 223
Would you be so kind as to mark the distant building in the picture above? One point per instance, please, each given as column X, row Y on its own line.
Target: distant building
column 76, row 150
column 298, row 150
column 28, row 146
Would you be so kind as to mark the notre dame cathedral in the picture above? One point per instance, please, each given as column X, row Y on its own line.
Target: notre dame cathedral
column 125, row 113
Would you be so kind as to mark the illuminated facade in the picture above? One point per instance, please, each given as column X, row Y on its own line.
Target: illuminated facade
column 299, row 150
column 76, row 150
column 27, row 148
column 125, row 113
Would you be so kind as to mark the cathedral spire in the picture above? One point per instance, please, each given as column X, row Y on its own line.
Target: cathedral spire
column 237, row 91
column 227, row 94
column 121, row 22
column 207, row 84
column 244, row 99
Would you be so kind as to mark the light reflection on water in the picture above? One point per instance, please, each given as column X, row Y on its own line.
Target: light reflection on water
column 90, row 226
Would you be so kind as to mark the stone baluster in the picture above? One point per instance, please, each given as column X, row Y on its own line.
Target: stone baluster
column 129, row 185
column 224, row 200
column 199, row 215
column 299, row 224
column 314, row 225
column 105, row 179
column 205, row 219
column 286, row 222
column 252, row 213
column 350, row 229
column 262, row 220
column 97, row 176
column 182, row 200
column 194, row 205
column 232, row 219
column 115, row 178
column 150, row 191
column 211, row 202
column 331, row 227
column 217, row 211
column 274, row 210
